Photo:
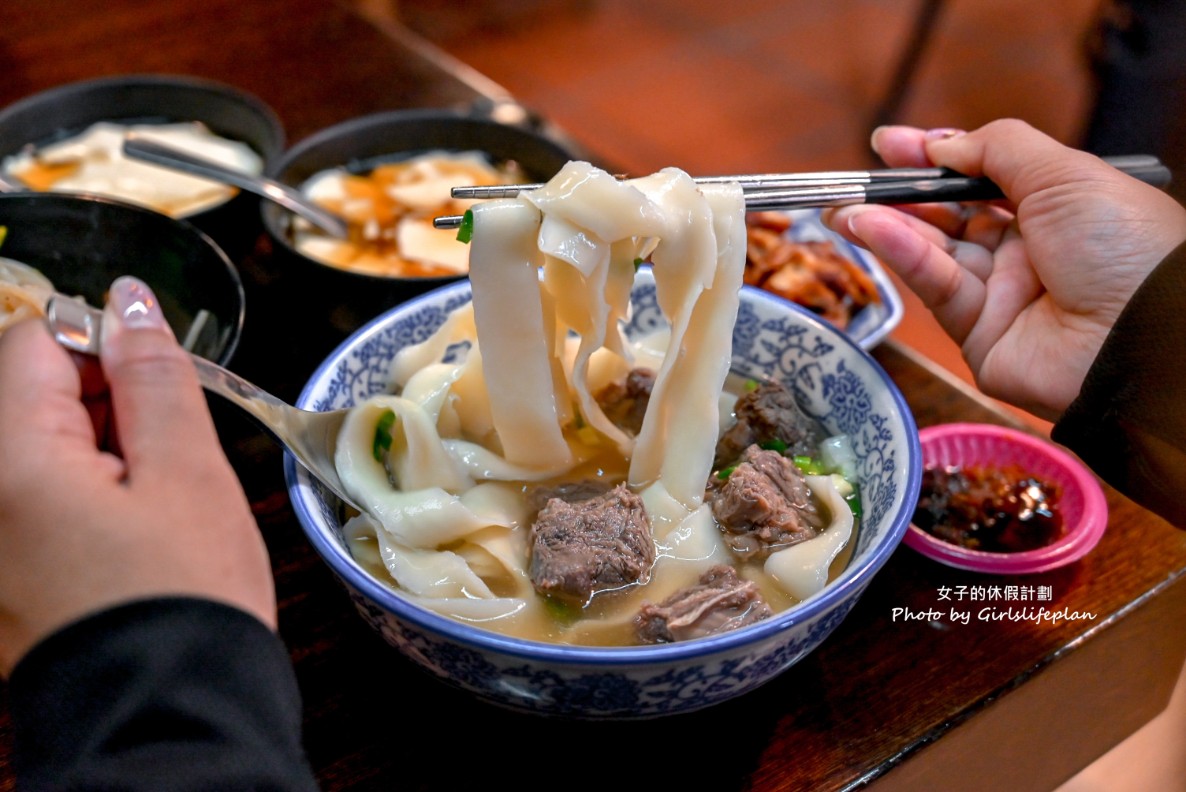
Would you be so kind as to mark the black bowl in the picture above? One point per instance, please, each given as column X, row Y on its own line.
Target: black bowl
column 68, row 110
column 83, row 243
column 363, row 143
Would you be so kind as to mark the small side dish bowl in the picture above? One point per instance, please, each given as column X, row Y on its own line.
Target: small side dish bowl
column 82, row 244
column 1081, row 499
column 834, row 380
column 63, row 112
column 871, row 324
column 358, row 146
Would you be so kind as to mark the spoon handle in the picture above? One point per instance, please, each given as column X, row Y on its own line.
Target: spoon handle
column 309, row 436
column 142, row 148
column 78, row 327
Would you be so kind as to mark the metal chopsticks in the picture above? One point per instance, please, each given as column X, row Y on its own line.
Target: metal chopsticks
column 748, row 182
column 841, row 188
column 953, row 188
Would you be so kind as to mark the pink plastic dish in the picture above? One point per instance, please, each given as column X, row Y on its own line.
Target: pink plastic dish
column 1082, row 500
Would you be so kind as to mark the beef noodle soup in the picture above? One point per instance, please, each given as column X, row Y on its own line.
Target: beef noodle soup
column 541, row 475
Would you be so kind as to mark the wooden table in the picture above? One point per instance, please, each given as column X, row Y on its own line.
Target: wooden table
column 893, row 704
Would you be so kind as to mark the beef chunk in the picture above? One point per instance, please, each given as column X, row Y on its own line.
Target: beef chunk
column 763, row 504
column 764, row 415
column 596, row 544
column 625, row 403
column 569, row 492
column 720, row 602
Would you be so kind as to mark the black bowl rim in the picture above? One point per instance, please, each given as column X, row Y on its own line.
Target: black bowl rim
column 232, row 271
column 65, row 91
column 271, row 213
column 387, row 117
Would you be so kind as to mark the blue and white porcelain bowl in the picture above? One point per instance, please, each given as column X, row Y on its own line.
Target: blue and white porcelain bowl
column 834, row 379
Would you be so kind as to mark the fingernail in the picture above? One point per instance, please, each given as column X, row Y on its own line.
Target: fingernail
column 943, row 133
column 131, row 305
column 134, row 304
column 873, row 139
column 850, row 222
column 852, row 227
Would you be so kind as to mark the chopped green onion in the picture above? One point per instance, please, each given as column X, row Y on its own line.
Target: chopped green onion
column 808, row 465
column 465, row 231
column 854, row 502
column 383, row 434
column 726, row 472
column 751, row 385
column 774, row 444
column 563, row 612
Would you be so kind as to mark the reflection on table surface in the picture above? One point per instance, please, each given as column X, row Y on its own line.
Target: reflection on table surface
column 903, row 703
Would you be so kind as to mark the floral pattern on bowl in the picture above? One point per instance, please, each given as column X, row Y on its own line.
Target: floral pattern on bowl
column 835, row 381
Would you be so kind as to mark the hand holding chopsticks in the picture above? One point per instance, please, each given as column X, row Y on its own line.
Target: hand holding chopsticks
column 1030, row 291
column 843, row 188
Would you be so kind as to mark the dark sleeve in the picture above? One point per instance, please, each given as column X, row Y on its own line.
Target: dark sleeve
column 1129, row 420
column 161, row 694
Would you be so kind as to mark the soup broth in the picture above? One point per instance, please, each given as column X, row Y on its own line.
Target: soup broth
column 608, row 619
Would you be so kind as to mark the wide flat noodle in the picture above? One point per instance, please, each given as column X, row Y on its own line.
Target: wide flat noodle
column 417, row 458
column 552, row 273
column 801, row 570
column 697, row 280
column 430, row 388
column 431, row 573
column 435, row 501
column 583, row 306
column 516, row 345
column 592, row 200
column 458, row 327
column 24, row 292
column 483, row 464
column 681, row 534
column 473, row 610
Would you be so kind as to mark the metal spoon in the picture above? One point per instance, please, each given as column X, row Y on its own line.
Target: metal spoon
column 157, row 153
column 309, row 436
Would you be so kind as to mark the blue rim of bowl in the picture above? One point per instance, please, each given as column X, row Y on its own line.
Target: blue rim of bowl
column 853, row 577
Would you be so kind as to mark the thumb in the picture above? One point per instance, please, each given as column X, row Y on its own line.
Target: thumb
column 158, row 403
column 1019, row 158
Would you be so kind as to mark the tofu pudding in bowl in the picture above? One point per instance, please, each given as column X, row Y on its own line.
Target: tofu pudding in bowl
column 605, row 458
column 390, row 209
column 93, row 162
column 388, row 174
column 69, row 140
